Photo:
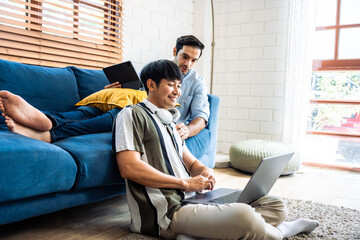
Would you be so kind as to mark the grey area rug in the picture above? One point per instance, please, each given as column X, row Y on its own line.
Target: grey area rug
column 336, row 223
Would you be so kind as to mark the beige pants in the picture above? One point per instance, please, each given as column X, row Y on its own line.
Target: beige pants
column 230, row 221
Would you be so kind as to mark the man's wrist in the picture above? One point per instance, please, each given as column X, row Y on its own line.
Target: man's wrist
column 182, row 184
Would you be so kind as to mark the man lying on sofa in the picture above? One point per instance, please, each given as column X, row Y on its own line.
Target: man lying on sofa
column 159, row 171
column 52, row 126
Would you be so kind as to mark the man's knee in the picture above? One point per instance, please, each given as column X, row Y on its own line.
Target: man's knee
column 272, row 208
column 279, row 207
column 246, row 222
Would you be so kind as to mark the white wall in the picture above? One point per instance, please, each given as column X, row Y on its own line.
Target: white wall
column 151, row 28
column 250, row 52
column 249, row 75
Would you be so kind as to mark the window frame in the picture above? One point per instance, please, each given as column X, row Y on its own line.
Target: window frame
column 335, row 65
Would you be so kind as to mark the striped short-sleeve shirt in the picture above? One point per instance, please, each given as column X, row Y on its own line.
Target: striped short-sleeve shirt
column 138, row 128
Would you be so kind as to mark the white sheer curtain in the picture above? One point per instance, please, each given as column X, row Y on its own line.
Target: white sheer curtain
column 298, row 69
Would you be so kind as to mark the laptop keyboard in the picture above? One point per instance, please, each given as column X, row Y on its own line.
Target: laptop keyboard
column 228, row 198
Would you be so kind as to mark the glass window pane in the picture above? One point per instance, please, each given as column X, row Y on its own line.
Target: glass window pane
column 334, row 118
column 349, row 47
column 349, row 12
column 339, row 118
column 326, row 13
column 336, row 85
column 341, row 151
column 324, row 44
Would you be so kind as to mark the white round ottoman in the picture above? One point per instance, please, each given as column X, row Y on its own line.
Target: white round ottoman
column 246, row 155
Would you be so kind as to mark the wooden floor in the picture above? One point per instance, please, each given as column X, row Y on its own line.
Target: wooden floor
column 110, row 219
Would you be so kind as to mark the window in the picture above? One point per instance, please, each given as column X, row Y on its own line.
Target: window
column 337, row 32
column 334, row 119
column 60, row 33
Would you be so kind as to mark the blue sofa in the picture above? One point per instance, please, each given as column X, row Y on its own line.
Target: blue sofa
column 37, row 178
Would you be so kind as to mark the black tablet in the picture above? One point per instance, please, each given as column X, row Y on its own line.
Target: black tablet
column 124, row 73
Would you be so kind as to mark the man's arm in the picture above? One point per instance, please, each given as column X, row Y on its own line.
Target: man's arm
column 196, row 126
column 113, row 85
column 199, row 109
column 192, row 129
column 133, row 168
column 196, row 168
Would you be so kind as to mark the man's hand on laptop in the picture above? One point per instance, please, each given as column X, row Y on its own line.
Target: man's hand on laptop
column 208, row 173
column 198, row 183
column 113, row 85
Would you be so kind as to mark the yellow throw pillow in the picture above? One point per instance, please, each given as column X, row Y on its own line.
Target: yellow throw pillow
column 108, row 99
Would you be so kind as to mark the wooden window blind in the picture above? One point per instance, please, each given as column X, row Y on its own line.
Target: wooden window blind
column 58, row 33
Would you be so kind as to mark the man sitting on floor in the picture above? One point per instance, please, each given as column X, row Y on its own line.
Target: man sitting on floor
column 160, row 171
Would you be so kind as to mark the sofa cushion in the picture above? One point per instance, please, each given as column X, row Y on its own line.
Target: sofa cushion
column 45, row 88
column 108, row 99
column 96, row 163
column 30, row 167
column 89, row 81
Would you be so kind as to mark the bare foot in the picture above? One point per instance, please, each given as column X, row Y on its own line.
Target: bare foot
column 22, row 112
column 13, row 126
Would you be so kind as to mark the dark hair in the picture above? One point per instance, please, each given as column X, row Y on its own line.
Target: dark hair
column 188, row 40
column 158, row 70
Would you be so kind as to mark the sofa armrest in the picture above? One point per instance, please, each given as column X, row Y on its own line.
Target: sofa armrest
column 203, row 145
column 214, row 103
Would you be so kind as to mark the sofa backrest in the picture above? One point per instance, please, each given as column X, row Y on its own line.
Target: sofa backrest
column 47, row 88
column 89, row 81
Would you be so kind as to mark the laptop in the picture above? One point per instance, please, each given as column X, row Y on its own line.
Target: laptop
column 260, row 183
column 124, row 73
